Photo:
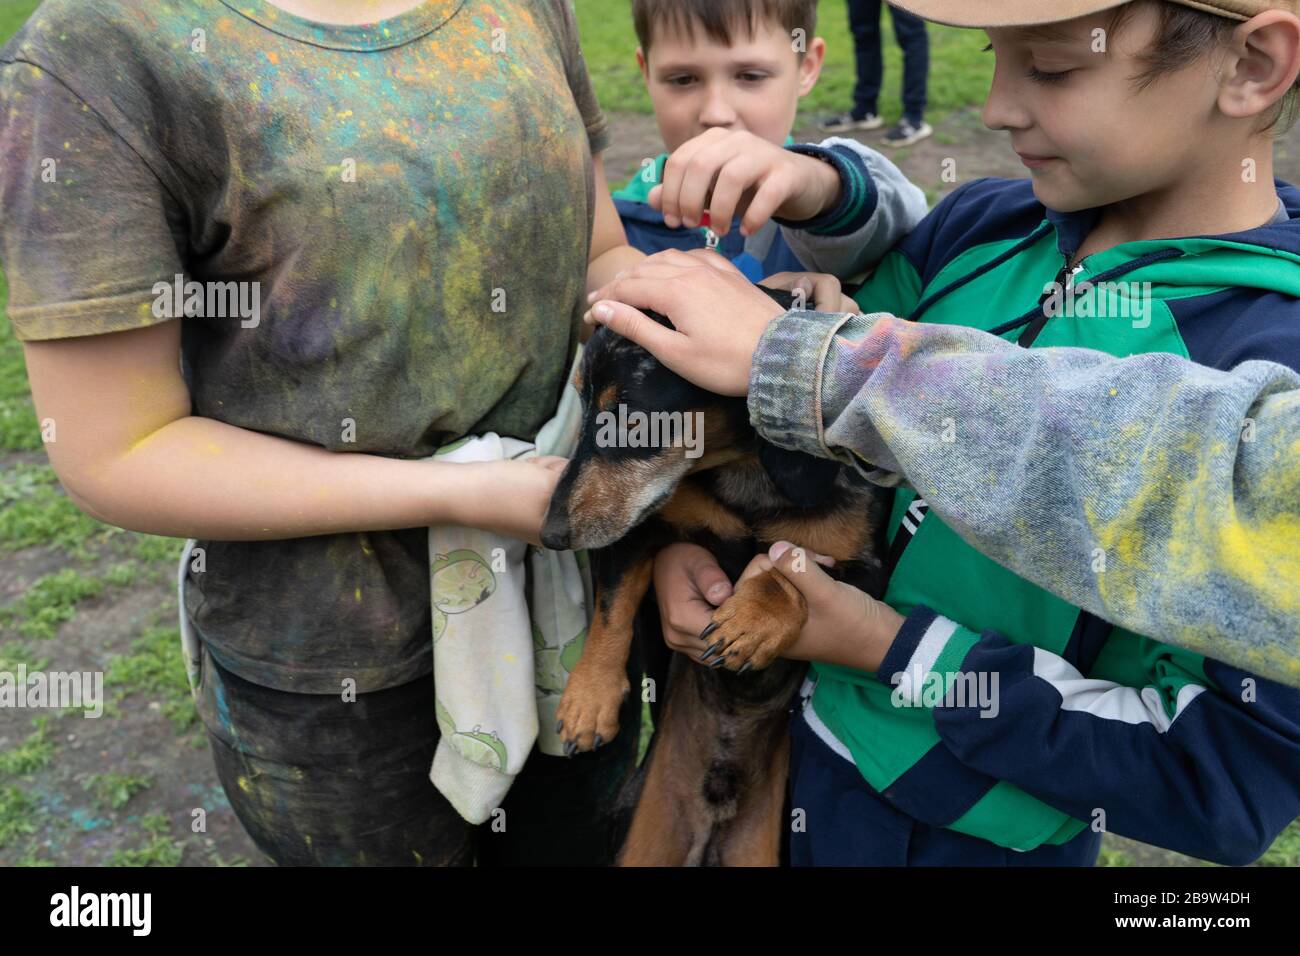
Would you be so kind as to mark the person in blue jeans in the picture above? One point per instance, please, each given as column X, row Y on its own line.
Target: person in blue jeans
column 909, row 30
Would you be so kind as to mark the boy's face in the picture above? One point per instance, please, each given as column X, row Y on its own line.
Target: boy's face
column 1076, row 119
column 697, row 83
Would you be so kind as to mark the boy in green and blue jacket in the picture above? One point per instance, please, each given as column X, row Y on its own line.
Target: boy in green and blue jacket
column 973, row 718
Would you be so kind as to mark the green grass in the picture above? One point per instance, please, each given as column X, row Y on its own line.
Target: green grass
column 13, row 14
column 49, row 602
column 18, row 427
column 959, row 73
column 18, row 814
column 1112, row 857
column 154, row 667
column 159, row 848
column 1285, row 850
column 113, row 791
column 34, row 510
column 32, row 754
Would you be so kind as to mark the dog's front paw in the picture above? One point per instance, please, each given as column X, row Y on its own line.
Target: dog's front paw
column 751, row 629
column 588, row 713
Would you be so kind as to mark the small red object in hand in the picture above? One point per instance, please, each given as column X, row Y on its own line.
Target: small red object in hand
column 704, row 219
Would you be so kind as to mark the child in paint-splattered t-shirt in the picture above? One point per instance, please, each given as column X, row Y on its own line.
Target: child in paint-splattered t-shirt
column 378, row 185
column 408, row 207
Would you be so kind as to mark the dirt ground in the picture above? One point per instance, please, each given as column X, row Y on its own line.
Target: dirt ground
column 152, row 738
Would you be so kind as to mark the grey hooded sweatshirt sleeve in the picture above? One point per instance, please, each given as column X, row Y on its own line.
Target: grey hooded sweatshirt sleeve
column 1061, row 492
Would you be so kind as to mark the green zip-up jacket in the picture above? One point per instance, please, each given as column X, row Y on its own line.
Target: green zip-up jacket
column 1003, row 711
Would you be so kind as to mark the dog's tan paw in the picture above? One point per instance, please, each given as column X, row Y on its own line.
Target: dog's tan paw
column 760, row 620
column 588, row 713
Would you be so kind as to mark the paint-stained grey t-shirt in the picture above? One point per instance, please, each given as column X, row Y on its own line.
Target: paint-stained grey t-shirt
column 414, row 200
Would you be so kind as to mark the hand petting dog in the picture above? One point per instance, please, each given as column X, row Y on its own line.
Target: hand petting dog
column 718, row 315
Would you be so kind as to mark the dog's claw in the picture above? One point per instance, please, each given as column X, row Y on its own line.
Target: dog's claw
column 704, row 634
column 748, row 665
column 711, row 650
column 570, row 748
column 599, row 740
column 722, row 659
column 559, row 725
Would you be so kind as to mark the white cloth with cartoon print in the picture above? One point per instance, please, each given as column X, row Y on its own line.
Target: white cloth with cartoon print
column 509, row 621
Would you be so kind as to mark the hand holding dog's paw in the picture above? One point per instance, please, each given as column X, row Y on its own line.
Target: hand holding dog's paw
column 844, row 625
column 756, row 625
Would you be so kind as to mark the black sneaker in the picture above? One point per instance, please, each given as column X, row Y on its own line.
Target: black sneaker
column 906, row 133
column 847, row 122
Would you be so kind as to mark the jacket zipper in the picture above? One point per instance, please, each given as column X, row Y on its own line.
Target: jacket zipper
column 1064, row 280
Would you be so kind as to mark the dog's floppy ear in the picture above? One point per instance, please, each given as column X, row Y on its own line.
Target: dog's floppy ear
column 806, row 480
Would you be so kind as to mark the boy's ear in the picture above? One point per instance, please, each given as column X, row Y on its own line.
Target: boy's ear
column 806, row 480
column 643, row 64
column 810, row 68
column 1264, row 64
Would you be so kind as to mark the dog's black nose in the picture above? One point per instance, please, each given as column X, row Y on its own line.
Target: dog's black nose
column 555, row 530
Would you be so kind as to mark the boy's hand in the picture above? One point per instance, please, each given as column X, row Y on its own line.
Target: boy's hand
column 821, row 287
column 845, row 625
column 732, row 172
column 689, row 586
column 718, row 316
column 511, row 497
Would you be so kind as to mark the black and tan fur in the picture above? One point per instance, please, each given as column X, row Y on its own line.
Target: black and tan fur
column 713, row 786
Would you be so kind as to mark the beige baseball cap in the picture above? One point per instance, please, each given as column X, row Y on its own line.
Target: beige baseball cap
column 1022, row 13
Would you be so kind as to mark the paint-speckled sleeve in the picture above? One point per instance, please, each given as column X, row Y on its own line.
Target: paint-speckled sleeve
column 84, row 223
column 584, row 94
column 1156, row 493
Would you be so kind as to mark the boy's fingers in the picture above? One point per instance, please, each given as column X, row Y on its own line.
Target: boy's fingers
column 713, row 260
column 789, row 281
column 658, row 268
column 822, row 289
column 550, row 462
column 735, row 179
column 826, row 294
column 636, row 326
column 704, row 182
column 708, row 578
column 674, row 170
column 757, row 565
column 801, row 567
column 774, row 191
column 697, row 186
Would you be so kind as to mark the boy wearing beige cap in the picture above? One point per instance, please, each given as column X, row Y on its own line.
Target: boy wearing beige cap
column 972, row 717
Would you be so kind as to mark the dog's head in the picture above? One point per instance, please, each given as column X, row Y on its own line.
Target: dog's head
column 644, row 428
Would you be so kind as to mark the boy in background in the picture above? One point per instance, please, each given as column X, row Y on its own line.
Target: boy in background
column 718, row 67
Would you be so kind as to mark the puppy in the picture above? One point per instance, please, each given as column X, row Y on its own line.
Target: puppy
column 689, row 467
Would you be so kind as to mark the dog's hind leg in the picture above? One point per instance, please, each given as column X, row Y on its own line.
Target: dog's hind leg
column 753, row 838
column 671, row 826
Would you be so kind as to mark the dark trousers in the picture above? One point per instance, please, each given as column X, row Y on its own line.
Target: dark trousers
column 909, row 30
column 319, row 781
